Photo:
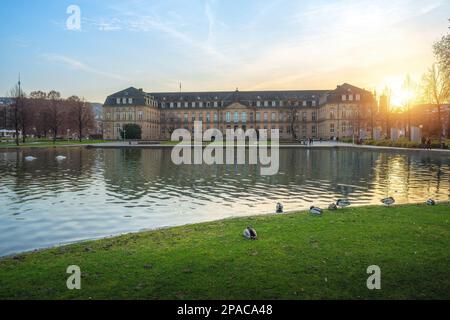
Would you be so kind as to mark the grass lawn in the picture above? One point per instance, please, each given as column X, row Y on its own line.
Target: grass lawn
column 298, row 256
column 48, row 143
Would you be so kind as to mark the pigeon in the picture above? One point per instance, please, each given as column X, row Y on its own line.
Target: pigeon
column 30, row 158
column 431, row 202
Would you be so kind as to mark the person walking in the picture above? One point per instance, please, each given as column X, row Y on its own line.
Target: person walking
column 429, row 144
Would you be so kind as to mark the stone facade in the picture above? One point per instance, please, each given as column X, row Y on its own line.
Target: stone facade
column 343, row 112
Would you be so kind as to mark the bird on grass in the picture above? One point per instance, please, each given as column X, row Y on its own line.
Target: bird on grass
column 279, row 208
column 343, row 203
column 332, row 206
column 431, row 202
column 30, row 158
column 388, row 201
column 250, row 233
column 316, row 211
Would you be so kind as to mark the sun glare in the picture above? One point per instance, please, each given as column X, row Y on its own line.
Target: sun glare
column 400, row 96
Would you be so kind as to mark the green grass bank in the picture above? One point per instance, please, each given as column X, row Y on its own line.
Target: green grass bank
column 297, row 256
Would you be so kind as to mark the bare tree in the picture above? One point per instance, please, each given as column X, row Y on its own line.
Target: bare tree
column 82, row 114
column 16, row 94
column 292, row 117
column 54, row 113
column 442, row 54
column 436, row 90
column 410, row 87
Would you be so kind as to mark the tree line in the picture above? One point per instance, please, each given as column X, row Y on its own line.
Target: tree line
column 45, row 115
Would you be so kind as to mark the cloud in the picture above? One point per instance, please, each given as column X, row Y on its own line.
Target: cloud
column 80, row 66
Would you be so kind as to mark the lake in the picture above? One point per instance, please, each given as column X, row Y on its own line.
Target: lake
column 101, row 192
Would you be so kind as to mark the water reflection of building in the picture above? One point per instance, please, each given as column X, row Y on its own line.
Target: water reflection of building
column 342, row 112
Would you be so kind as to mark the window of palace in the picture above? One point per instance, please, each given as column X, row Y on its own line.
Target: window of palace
column 200, row 117
column 274, row 117
column 331, row 127
column 314, row 103
column 178, row 104
column 244, row 117
column 274, row 103
column 266, row 116
column 228, row 116
column 305, row 103
column 186, row 104
column 124, row 100
column 171, row 104
column 266, row 103
column 200, row 104
column 358, row 97
column 344, row 97
column 140, row 115
column 258, row 103
column 258, row 116
column 108, row 116
column 193, row 116
column 314, row 116
column 117, row 116
column 251, row 116
column 216, row 117
column 281, row 103
column 236, row 117
column 130, row 100
column 216, row 104
column 314, row 129
column 208, row 117
column 304, row 116
column 350, row 97
column 118, row 100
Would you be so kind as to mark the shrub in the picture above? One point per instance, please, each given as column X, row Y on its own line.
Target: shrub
column 131, row 131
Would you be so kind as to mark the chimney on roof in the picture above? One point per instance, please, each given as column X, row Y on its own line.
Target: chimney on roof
column 141, row 90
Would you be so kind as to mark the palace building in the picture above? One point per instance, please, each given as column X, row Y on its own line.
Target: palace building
column 346, row 111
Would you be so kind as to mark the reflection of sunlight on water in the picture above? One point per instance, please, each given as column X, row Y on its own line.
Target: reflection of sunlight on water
column 103, row 192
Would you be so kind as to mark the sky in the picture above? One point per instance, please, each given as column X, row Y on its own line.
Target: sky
column 216, row 44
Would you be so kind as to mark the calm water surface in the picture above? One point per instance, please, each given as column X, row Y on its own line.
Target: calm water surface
column 102, row 192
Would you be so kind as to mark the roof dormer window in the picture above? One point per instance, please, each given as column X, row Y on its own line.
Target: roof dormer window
column 344, row 97
column 130, row 100
column 118, row 100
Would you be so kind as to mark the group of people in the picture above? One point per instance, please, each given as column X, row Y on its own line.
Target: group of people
column 308, row 141
column 426, row 143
